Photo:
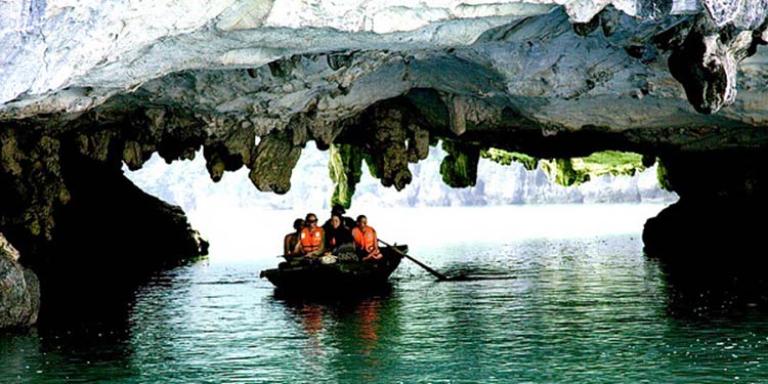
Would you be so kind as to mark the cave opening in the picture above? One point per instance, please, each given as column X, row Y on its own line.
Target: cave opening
column 244, row 224
column 78, row 178
column 417, row 141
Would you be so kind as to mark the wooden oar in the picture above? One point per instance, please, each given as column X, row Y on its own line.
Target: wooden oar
column 437, row 274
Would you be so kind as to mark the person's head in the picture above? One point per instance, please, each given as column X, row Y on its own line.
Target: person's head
column 362, row 221
column 336, row 221
column 311, row 220
column 338, row 209
column 298, row 224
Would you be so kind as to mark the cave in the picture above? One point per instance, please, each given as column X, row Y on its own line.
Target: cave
column 252, row 87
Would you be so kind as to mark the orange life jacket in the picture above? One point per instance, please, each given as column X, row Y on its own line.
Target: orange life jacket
column 365, row 239
column 311, row 239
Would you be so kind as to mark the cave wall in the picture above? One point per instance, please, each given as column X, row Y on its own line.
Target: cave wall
column 85, row 230
column 718, row 217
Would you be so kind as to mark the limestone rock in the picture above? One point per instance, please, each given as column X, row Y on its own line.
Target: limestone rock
column 19, row 290
column 273, row 163
column 7, row 249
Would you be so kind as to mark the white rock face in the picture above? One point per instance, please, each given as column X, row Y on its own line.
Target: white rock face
column 50, row 45
column 115, row 46
column 744, row 14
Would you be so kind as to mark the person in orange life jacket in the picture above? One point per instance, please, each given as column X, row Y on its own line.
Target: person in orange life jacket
column 311, row 238
column 366, row 241
column 337, row 234
column 291, row 240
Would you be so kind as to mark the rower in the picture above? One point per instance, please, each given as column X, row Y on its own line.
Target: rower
column 311, row 238
column 366, row 241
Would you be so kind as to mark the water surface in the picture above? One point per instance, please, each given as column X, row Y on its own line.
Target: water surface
column 585, row 307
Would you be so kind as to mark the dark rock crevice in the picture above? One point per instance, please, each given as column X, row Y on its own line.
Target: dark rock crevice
column 109, row 236
column 722, row 205
column 80, row 225
column 706, row 63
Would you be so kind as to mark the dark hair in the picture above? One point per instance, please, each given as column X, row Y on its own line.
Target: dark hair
column 306, row 218
column 338, row 209
column 298, row 224
column 361, row 217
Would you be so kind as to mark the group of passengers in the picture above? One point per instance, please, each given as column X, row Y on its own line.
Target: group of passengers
column 340, row 234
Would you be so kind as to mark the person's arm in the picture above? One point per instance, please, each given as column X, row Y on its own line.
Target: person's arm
column 287, row 245
column 375, row 240
column 297, row 250
column 375, row 253
column 322, row 244
column 354, row 233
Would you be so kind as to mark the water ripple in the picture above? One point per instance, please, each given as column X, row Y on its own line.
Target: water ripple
column 538, row 311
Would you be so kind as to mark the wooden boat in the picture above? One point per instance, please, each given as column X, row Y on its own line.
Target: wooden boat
column 317, row 278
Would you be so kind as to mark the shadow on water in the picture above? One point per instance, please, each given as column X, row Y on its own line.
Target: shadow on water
column 715, row 290
column 87, row 338
column 84, row 344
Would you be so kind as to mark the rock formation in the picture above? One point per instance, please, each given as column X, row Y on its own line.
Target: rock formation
column 19, row 289
column 90, row 85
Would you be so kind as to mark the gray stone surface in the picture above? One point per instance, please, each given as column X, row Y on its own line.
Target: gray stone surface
column 64, row 58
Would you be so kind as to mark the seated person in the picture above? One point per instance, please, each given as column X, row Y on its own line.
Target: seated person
column 311, row 238
column 366, row 241
column 292, row 239
column 337, row 234
column 339, row 211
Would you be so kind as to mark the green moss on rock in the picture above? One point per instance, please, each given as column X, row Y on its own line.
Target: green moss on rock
column 662, row 175
column 459, row 167
column 506, row 158
column 563, row 172
column 345, row 165
column 577, row 170
column 373, row 167
column 609, row 162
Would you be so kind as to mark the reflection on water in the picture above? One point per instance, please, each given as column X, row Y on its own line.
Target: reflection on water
column 582, row 309
column 345, row 336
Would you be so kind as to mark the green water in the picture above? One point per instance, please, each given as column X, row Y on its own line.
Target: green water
column 578, row 310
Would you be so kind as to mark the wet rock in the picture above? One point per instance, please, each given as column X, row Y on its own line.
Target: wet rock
column 19, row 289
column 418, row 144
column 230, row 153
column 388, row 147
column 271, row 168
column 7, row 250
